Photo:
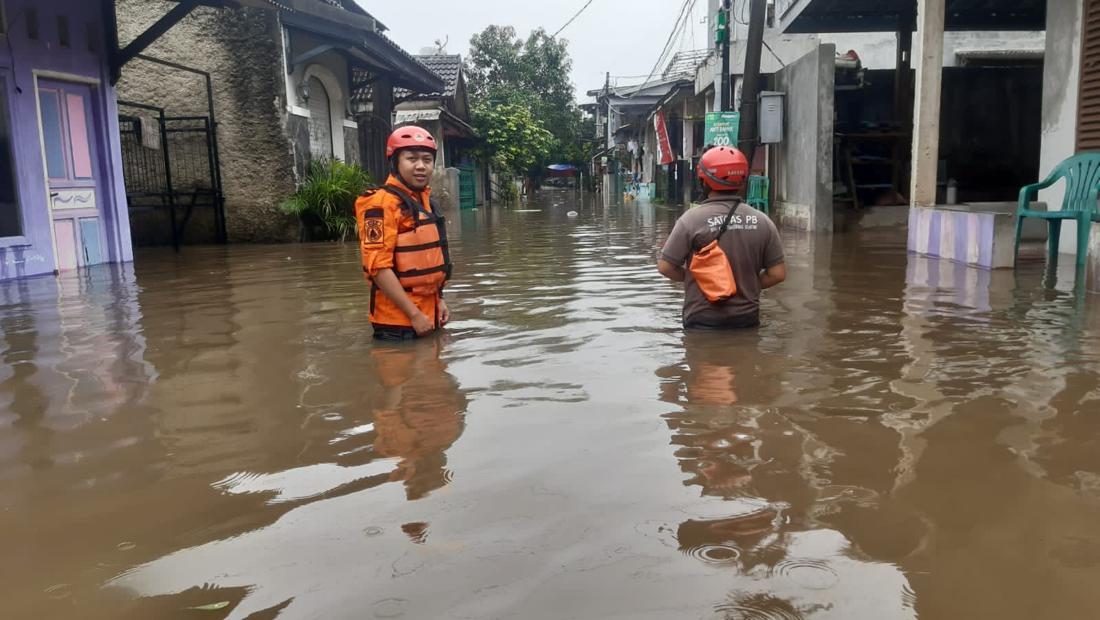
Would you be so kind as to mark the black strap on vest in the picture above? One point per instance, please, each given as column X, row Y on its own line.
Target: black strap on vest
column 416, row 208
column 408, row 203
column 726, row 224
column 729, row 217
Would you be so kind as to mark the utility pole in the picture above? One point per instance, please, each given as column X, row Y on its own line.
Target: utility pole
column 606, row 137
column 722, row 37
column 750, row 89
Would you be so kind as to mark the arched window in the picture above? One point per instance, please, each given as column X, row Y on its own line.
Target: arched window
column 320, row 120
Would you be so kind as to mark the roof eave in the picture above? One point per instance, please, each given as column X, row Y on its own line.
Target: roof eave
column 371, row 48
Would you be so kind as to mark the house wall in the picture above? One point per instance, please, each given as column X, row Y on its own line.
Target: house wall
column 332, row 70
column 22, row 61
column 242, row 51
column 1061, row 81
column 804, row 160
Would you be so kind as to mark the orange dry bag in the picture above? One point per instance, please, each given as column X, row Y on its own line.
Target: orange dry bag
column 711, row 270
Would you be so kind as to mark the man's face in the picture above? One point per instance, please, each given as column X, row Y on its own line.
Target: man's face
column 416, row 167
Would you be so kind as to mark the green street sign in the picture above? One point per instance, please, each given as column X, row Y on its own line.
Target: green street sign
column 722, row 128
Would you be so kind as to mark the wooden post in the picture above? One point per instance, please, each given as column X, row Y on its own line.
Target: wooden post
column 926, row 107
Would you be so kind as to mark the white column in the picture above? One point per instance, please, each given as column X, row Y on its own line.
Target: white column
column 926, row 107
column 687, row 125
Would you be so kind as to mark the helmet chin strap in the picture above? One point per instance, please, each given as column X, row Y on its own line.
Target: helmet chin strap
column 722, row 182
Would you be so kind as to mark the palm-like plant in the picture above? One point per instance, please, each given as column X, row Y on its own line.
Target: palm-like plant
column 327, row 196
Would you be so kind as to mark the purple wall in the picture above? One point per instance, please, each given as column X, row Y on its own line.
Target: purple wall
column 83, row 58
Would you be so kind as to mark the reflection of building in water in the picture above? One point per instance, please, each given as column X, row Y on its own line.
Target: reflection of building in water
column 407, row 412
column 223, row 390
column 995, row 453
column 74, row 355
column 75, row 424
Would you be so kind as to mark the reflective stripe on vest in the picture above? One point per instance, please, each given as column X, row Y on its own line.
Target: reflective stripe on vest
column 421, row 259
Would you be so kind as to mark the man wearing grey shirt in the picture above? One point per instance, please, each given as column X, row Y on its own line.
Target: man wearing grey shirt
column 751, row 244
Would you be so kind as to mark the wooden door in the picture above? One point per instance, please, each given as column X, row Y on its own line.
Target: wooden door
column 72, row 155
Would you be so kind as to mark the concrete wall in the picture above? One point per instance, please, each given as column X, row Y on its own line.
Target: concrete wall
column 351, row 143
column 878, row 50
column 1061, row 79
column 242, row 51
column 804, row 161
column 445, row 190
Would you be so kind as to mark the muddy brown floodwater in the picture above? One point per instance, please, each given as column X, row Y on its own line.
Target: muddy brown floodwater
column 215, row 435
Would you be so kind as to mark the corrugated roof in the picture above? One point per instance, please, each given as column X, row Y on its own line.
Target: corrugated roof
column 685, row 63
column 446, row 66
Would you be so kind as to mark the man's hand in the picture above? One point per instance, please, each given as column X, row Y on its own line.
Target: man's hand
column 422, row 324
column 773, row 276
column 444, row 313
column 391, row 286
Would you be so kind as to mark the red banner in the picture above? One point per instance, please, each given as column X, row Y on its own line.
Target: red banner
column 664, row 148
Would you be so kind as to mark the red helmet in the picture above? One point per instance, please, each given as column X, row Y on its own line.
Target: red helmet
column 724, row 168
column 410, row 136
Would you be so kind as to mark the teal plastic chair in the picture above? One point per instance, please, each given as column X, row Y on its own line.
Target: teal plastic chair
column 1082, row 175
column 759, row 190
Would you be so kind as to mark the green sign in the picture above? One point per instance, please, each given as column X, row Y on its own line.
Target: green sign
column 722, row 128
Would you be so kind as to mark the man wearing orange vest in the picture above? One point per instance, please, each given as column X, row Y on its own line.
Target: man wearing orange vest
column 403, row 242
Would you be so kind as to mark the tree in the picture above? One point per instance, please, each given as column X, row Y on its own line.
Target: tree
column 530, row 74
column 514, row 140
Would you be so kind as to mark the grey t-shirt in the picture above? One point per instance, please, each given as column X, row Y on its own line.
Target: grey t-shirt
column 752, row 244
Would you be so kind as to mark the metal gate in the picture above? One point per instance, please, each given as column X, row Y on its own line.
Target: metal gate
column 467, row 184
column 373, row 132
column 172, row 171
column 170, row 165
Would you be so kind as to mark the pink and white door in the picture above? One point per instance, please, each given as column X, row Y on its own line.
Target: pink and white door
column 72, row 165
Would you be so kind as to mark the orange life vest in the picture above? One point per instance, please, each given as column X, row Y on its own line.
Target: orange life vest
column 422, row 261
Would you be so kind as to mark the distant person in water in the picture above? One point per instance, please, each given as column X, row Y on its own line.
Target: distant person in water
column 403, row 242
column 747, row 238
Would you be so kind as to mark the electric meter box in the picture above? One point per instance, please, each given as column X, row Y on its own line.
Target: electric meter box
column 771, row 117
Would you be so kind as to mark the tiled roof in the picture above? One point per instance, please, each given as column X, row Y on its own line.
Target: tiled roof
column 684, row 64
column 446, row 66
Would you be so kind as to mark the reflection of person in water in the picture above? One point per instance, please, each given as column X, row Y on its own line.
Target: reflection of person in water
column 719, row 445
column 422, row 414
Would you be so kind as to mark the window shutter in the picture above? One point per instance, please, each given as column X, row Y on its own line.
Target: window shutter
column 1088, row 104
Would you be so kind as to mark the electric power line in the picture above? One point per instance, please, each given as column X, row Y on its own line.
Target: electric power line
column 571, row 19
column 676, row 28
column 783, row 64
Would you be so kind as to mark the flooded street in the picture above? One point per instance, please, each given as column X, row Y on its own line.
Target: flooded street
column 215, row 435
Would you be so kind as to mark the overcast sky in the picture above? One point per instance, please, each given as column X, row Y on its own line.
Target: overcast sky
column 624, row 37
